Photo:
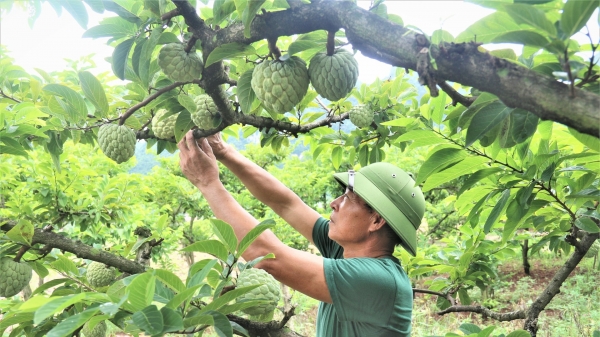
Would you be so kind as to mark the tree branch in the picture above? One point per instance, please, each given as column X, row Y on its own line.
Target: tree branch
column 499, row 316
column 553, row 288
column 378, row 38
column 80, row 249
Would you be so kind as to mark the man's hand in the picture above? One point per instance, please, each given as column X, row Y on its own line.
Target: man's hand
column 219, row 147
column 197, row 161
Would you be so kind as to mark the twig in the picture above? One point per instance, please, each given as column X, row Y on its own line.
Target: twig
column 21, row 252
column 9, row 97
column 169, row 15
column 150, row 98
column 455, row 95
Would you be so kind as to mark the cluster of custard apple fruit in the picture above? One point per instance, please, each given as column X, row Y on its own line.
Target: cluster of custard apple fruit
column 14, row 276
column 100, row 275
column 281, row 84
column 268, row 291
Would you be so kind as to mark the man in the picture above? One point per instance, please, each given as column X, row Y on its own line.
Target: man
column 363, row 289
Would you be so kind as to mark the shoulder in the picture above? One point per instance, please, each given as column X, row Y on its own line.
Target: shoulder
column 382, row 274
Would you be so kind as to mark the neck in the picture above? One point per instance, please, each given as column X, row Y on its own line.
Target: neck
column 374, row 250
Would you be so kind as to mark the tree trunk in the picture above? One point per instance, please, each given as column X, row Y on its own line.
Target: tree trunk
column 525, row 255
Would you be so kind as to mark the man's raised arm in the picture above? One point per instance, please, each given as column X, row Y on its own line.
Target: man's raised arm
column 266, row 188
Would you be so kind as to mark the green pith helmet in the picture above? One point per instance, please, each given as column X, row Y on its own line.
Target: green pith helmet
column 392, row 193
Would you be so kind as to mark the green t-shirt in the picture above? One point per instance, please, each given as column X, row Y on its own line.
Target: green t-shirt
column 371, row 297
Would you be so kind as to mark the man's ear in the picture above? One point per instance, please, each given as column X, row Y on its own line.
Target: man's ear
column 378, row 222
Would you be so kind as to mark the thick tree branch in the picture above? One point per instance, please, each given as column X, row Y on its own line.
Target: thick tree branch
column 81, row 250
column 553, row 287
column 378, row 38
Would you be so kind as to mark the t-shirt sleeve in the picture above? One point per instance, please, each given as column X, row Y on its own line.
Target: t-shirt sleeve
column 326, row 246
column 358, row 286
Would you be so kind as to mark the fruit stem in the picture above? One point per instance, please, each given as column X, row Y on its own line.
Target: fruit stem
column 330, row 42
column 273, row 48
column 20, row 253
column 191, row 43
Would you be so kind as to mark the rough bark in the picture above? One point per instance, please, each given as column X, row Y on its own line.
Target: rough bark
column 81, row 250
column 553, row 288
column 380, row 39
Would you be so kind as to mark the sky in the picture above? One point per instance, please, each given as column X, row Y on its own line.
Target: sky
column 55, row 38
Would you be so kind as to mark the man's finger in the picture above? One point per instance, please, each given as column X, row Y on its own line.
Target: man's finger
column 191, row 142
column 205, row 146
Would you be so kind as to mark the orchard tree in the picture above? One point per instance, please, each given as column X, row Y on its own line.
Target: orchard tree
column 513, row 137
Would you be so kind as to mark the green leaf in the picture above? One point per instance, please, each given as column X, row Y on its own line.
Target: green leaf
column 55, row 306
column 222, row 9
column 221, row 324
column 22, row 232
column 122, row 12
column 587, row 224
column 525, row 37
column 336, row 156
column 77, row 10
column 228, row 297
column 93, row 90
column 187, row 102
column 576, row 14
column 527, row 14
column 302, row 45
column 212, row 247
column 225, row 233
column 183, row 124
column 120, row 56
column 171, row 319
column 249, row 13
column 141, row 290
column 198, row 320
column 183, row 296
column 468, row 328
column 245, row 93
column 108, row 30
column 440, row 35
column 438, row 161
column 486, row 29
column 463, row 167
column 18, row 318
column 96, row 5
column 170, row 280
column 496, row 211
column 593, row 143
column 229, row 51
column 519, row 333
column 70, row 324
column 71, row 97
column 144, row 68
column 199, row 276
column 149, row 319
column 476, row 177
column 514, row 214
column 252, row 235
column 48, row 285
column 486, row 119
column 523, row 125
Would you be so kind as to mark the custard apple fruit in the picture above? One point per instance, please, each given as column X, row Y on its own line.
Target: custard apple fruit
column 269, row 291
column 361, row 116
column 179, row 65
column 280, row 85
column 333, row 77
column 99, row 330
column 206, row 112
column 117, row 142
column 100, row 275
column 164, row 128
column 15, row 276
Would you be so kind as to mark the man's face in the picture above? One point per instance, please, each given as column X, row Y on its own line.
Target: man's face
column 350, row 219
